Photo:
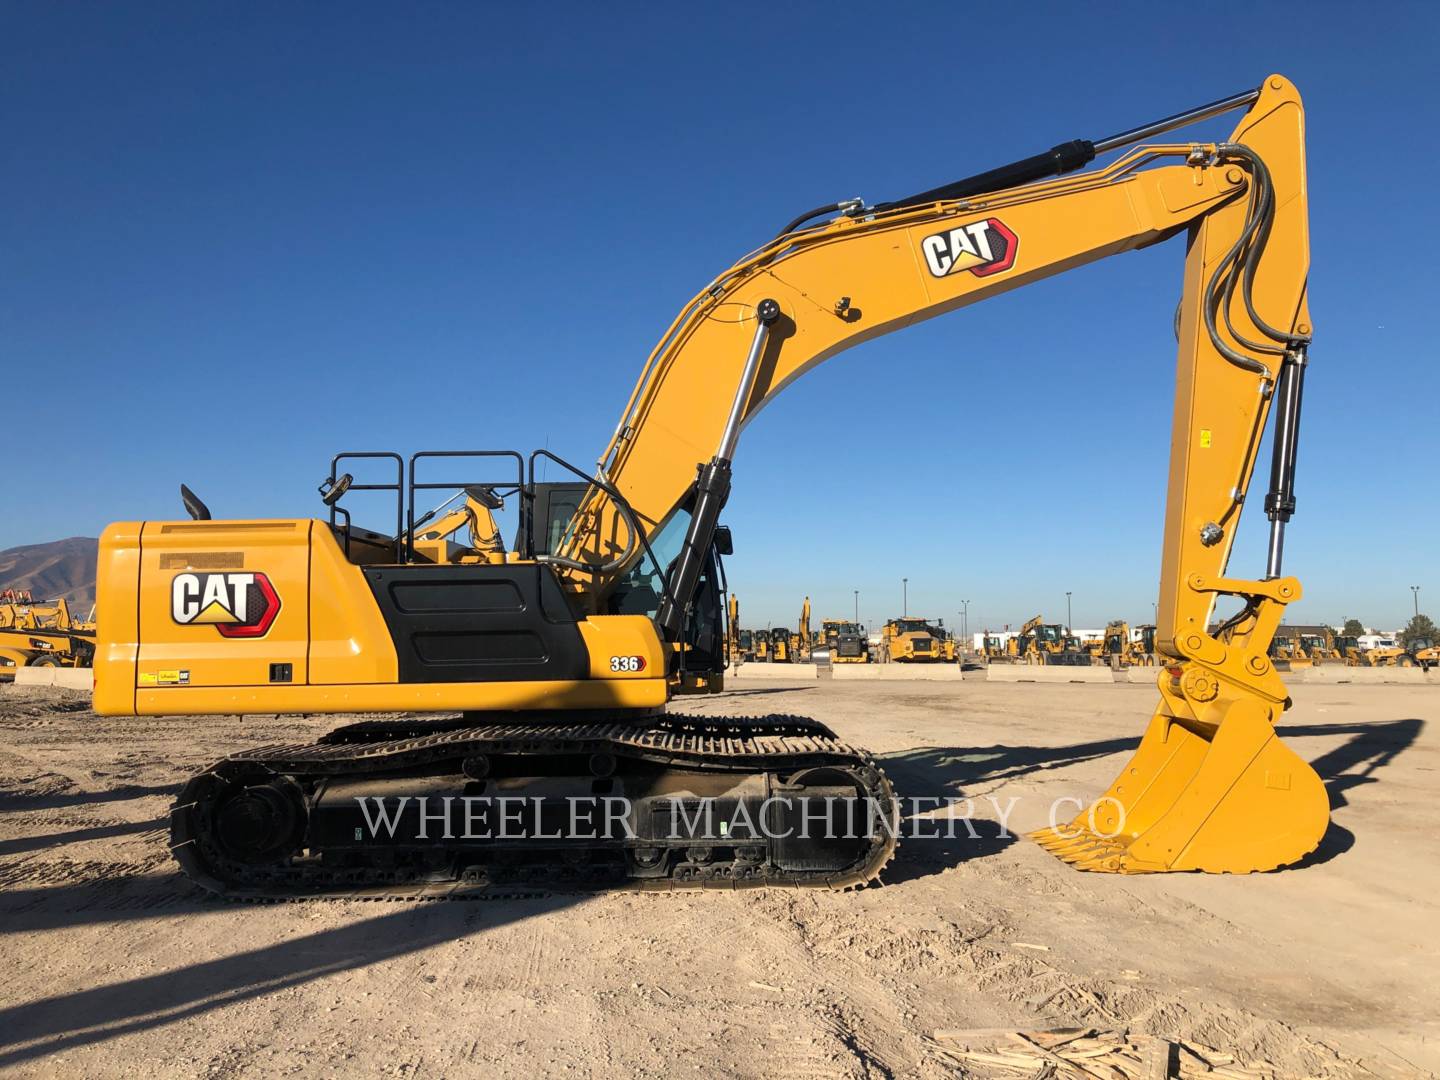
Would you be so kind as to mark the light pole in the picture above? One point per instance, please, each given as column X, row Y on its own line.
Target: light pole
column 1415, row 592
column 965, row 618
column 904, row 597
column 857, row 607
column 1069, row 625
column 1155, row 611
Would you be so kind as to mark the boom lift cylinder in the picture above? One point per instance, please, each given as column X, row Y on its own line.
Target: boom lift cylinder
column 712, row 488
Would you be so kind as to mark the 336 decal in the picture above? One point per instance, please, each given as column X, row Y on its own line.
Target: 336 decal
column 982, row 248
column 627, row 663
column 238, row 605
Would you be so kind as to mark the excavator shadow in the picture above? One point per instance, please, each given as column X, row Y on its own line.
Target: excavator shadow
column 949, row 771
column 1372, row 745
column 925, row 776
column 22, row 844
column 21, row 800
column 930, row 773
column 65, row 1021
column 765, row 690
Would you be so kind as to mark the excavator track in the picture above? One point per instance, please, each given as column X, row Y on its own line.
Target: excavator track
column 683, row 802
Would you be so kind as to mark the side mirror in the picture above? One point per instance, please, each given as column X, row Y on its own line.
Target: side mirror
column 724, row 542
column 193, row 506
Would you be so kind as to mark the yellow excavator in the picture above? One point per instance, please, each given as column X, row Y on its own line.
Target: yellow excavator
column 802, row 642
column 548, row 672
column 742, row 641
column 733, row 654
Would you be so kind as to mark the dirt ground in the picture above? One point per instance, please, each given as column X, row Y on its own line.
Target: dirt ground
column 115, row 966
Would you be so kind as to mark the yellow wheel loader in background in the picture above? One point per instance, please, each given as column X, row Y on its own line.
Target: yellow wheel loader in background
column 1289, row 653
column 1387, row 656
column 847, row 642
column 1346, row 649
column 41, row 634
column 1337, row 649
column 762, row 646
column 1142, row 647
column 1039, row 642
column 548, row 671
column 1315, row 648
column 781, row 649
column 1115, row 645
column 1424, row 652
column 993, row 648
column 948, row 647
column 747, row 646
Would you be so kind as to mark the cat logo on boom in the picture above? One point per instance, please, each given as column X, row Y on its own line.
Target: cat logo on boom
column 982, row 247
column 238, row 605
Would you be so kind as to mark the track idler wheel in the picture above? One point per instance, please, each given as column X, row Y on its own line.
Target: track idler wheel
column 260, row 822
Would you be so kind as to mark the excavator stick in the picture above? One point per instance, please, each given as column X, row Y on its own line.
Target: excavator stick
column 1211, row 787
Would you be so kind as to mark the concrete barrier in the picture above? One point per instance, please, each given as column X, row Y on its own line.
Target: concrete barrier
column 914, row 672
column 1334, row 674
column 1146, row 675
column 66, row 678
column 792, row 672
column 1048, row 673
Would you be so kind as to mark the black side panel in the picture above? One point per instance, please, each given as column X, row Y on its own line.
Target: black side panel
column 479, row 623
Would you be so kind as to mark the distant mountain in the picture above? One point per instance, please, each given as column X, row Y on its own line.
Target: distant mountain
column 49, row 571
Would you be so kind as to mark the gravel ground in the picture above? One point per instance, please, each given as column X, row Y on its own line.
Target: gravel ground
column 115, row 966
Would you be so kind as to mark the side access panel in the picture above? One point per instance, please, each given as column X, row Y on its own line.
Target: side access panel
column 479, row 623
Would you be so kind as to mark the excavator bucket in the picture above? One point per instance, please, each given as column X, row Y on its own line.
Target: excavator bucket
column 1227, row 799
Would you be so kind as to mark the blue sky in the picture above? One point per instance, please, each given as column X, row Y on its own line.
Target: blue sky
column 237, row 238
